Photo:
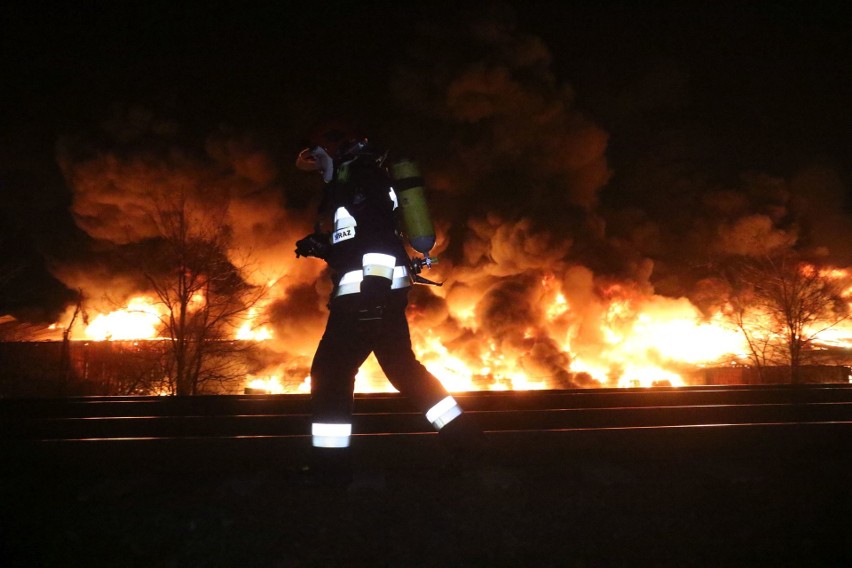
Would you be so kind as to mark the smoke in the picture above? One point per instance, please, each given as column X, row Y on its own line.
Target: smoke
column 512, row 133
column 136, row 162
column 521, row 174
column 516, row 177
column 753, row 235
column 823, row 200
column 118, row 178
column 526, row 202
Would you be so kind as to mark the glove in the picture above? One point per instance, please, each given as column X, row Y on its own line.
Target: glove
column 315, row 244
column 373, row 298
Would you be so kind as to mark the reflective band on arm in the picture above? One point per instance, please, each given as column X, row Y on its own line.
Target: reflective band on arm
column 443, row 413
column 378, row 264
column 325, row 435
column 343, row 219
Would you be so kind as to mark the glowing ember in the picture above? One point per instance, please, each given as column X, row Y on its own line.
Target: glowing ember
column 648, row 377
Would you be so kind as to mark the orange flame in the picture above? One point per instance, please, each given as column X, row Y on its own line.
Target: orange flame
column 636, row 340
column 140, row 319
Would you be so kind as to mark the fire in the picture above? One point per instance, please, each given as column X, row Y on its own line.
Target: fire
column 268, row 385
column 616, row 337
column 558, row 307
column 840, row 334
column 451, row 370
column 640, row 376
column 140, row 319
column 674, row 332
column 647, row 340
column 249, row 331
column 643, row 342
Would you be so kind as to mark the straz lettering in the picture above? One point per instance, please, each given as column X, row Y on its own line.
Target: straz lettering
column 343, row 234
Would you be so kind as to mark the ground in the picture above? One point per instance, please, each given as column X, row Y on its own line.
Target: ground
column 597, row 499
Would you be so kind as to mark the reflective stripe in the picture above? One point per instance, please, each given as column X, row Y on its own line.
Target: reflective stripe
column 350, row 283
column 343, row 219
column 378, row 270
column 378, row 264
column 392, row 195
column 443, row 413
column 325, row 435
column 378, row 258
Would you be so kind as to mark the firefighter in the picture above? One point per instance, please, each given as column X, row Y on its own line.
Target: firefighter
column 372, row 276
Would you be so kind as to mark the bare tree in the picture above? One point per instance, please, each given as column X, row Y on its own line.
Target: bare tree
column 204, row 294
column 65, row 367
column 781, row 303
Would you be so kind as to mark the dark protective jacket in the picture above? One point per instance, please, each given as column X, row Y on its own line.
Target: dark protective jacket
column 360, row 203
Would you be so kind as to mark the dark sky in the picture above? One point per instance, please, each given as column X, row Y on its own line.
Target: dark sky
column 774, row 69
column 712, row 90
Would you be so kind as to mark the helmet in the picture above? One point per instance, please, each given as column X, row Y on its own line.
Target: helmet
column 316, row 159
column 333, row 144
column 335, row 138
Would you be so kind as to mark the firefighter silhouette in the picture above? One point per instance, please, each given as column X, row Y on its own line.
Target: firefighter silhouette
column 360, row 236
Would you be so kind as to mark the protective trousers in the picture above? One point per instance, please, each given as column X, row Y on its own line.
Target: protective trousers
column 345, row 345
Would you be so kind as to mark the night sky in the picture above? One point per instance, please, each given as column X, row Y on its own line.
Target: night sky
column 677, row 120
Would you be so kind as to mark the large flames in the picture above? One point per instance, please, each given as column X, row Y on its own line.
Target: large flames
column 644, row 342
column 620, row 338
column 139, row 319
column 548, row 280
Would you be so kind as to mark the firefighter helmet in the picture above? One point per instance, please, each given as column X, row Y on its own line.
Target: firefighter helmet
column 340, row 140
column 332, row 144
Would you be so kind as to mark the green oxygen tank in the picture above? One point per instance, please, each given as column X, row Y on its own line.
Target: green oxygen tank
column 417, row 223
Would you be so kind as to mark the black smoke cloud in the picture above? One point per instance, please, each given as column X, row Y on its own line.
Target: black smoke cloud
column 526, row 184
column 136, row 160
column 520, row 173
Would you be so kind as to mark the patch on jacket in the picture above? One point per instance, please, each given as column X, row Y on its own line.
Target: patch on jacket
column 343, row 235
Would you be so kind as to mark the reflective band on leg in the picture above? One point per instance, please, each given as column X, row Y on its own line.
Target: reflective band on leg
column 443, row 413
column 326, row 435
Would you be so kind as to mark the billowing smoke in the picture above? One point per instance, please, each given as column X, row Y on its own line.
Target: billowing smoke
column 536, row 244
column 515, row 168
column 137, row 162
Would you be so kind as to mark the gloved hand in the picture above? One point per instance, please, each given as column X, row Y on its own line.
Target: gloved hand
column 373, row 298
column 316, row 244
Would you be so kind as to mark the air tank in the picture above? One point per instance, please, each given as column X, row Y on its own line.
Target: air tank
column 417, row 223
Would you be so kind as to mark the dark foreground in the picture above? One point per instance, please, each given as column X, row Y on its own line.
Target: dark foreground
column 715, row 496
